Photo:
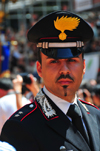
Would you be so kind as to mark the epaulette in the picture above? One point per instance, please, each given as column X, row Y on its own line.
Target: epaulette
column 25, row 111
column 89, row 104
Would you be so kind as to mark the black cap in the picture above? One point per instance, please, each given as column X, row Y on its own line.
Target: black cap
column 60, row 34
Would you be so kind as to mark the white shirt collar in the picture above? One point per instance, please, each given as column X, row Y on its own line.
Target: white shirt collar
column 62, row 104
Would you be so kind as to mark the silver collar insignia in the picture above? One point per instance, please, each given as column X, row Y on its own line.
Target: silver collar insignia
column 45, row 105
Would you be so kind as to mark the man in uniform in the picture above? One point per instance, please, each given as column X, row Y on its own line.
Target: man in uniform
column 57, row 120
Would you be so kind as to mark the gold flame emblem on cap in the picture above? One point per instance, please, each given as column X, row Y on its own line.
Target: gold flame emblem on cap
column 66, row 23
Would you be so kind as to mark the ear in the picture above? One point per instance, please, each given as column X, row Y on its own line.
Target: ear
column 39, row 68
column 84, row 66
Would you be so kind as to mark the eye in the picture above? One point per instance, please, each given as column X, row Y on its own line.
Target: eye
column 72, row 60
column 54, row 61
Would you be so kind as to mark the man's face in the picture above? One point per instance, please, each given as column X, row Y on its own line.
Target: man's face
column 62, row 77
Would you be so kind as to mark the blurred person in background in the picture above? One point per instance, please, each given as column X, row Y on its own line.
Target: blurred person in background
column 96, row 95
column 33, row 86
column 8, row 102
column 85, row 95
column 85, row 90
column 17, row 63
column 30, row 86
column 6, row 87
column 93, row 82
column 19, row 92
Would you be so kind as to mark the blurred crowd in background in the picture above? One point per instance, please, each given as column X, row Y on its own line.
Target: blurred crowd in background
column 23, row 56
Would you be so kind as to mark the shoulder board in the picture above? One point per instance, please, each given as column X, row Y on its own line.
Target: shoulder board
column 89, row 103
column 25, row 111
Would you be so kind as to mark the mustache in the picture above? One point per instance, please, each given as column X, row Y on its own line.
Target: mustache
column 67, row 76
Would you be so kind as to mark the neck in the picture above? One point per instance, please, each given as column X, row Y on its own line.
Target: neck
column 67, row 98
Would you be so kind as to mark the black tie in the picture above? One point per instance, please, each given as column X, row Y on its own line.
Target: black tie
column 75, row 114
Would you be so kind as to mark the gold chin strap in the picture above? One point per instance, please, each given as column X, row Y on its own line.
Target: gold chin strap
column 46, row 45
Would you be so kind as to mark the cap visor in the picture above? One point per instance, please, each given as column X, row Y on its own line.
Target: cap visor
column 62, row 53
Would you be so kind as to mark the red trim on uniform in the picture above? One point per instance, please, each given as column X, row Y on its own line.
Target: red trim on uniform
column 89, row 104
column 45, row 116
column 29, row 113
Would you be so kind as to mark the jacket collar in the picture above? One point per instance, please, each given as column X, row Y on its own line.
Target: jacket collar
column 59, row 122
column 62, row 104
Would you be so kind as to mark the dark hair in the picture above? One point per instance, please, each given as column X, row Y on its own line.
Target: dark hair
column 39, row 55
column 6, row 84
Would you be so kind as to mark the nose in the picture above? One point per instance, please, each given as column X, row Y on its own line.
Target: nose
column 64, row 68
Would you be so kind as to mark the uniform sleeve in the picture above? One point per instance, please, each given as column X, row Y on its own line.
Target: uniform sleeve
column 15, row 134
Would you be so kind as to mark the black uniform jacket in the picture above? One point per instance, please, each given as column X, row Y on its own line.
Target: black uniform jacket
column 42, row 126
